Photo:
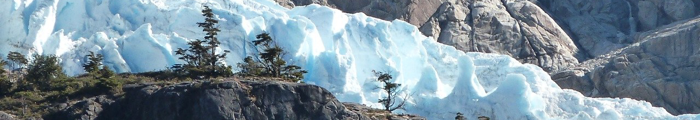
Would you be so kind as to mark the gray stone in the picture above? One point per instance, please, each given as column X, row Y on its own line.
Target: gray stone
column 649, row 15
column 661, row 69
column 5, row 116
column 415, row 12
column 679, row 9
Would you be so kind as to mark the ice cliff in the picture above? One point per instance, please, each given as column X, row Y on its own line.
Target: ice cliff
column 339, row 50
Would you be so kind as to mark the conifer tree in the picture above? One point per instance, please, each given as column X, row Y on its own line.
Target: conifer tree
column 269, row 63
column 460, row 116
column 392, row 91
column 250, row 67
column 2, row 67
column 42, row 70
column 17, row 59
column 94, row 63
column 201, row 57
column 6, row 86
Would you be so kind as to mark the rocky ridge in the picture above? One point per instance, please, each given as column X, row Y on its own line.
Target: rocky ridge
column 216, row 100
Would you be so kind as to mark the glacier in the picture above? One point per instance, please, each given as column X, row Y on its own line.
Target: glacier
column 339, row 50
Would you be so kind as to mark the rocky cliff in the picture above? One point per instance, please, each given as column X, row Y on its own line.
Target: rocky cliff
column 222, row 100
column 642, row 49
column 662, row 68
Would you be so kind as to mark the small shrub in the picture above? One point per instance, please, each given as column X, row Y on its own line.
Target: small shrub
column 460, row 116
column 109, row 85
column 2, row 67
column 269, row 63
column 31, row 96
column 17, row 59
column 94, row 63
column 6, row 86
column 42, row 70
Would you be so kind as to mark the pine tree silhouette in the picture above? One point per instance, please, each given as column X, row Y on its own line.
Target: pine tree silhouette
column 201, row 57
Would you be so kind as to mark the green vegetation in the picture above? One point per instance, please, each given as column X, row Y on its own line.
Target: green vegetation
column 94, row 63
column 269, row 63
column 202, row 60
column 2, row 68
column 17, row 59
column 392, row 91
column 44, row 83
column 460, row 116
column 41, row 71
column 32, row 88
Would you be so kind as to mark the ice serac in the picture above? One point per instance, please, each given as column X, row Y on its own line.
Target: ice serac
column 512, row 27
column 596, row 27
column 339, row 50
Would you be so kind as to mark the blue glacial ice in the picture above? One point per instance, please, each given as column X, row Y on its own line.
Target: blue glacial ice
column 339, row 50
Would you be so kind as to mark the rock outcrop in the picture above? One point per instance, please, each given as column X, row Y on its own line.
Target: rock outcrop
column 217, row 100
column 5, row 116
column 662, row 68
column 602, row 26
column 516, row 28
column 415, row 12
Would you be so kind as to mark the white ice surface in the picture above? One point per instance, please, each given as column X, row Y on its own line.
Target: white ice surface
column 339, row 50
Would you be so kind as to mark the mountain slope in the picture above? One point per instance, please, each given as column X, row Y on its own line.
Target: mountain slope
column 339, row 50
column 661, row 68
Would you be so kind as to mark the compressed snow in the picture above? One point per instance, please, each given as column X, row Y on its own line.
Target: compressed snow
column 339, row 50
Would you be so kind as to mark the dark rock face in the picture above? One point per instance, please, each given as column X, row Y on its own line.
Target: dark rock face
column 415, row 12
column 662, row 69
column 87, row 109
column 379, row 114
column 247, row 100
column 602, row 26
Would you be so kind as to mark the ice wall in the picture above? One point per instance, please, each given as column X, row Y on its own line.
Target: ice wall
column 339, row 50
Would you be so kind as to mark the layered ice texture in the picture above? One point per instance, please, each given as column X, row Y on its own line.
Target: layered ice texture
column 339, row 50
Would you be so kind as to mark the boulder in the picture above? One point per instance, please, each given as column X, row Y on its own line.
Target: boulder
column 5, row 116
column 679, row 9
